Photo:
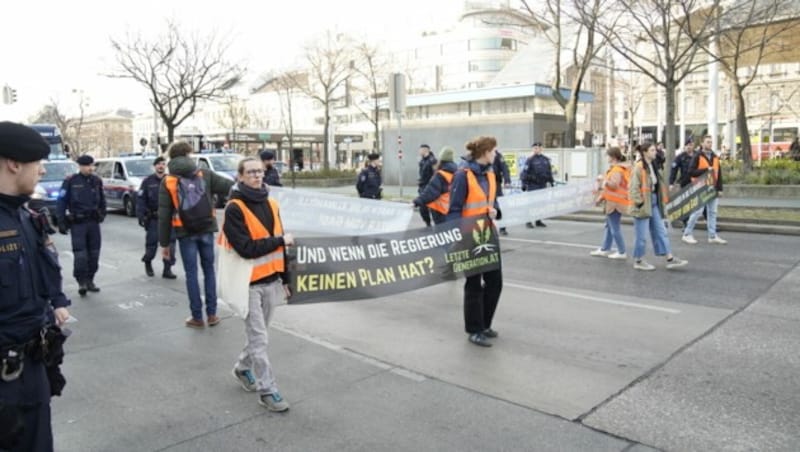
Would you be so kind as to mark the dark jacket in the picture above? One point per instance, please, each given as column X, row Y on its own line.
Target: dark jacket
column 238, row 235
column 426, row 170
column 459, row 187
column 501, row 172
column 694, row 171
column 147, row 197
column 272, row 177
column 435, row 188
column 681, row 166
column 83, row 196
column 536, row 173
column 185, row 167
column 369, row 183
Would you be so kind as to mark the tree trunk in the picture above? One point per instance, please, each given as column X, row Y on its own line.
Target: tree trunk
column 376, row 143
column 170, row 133
column 570, row 115
column 326, row 139
column 741, row 129
column 669, row 139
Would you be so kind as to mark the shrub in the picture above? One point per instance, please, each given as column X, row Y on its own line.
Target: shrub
column 770, row 172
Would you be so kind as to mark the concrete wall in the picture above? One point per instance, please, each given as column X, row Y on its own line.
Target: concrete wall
column 762, row 191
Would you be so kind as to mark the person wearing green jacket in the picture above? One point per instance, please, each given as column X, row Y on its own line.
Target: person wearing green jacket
column 192, row 243
column 648, row 195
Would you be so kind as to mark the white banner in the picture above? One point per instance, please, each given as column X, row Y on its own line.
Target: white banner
column 304, row 210
column 522, row 207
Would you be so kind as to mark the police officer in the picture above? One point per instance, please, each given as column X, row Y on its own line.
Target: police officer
column 503, row 179
column 81, row 208
column 29, row 285
column 147, row 212
column 536, row 174
column 271, row 175
column 427, row 162
column 369, row 180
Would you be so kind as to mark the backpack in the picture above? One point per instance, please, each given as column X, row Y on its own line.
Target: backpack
column 194, row 206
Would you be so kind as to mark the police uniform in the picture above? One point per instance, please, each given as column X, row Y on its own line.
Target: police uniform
column 271, row 175
column 147, row 213
column 30, row 287
column 369, row 180
column 536, row 174
column 426, row 171
column 81, row 207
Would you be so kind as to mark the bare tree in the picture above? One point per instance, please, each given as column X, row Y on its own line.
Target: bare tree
column 569, row 26
column 285, row 86
column 70, row 127
column 371, row 66
column 661, row 39
column 633, row 93
column 752, row 33
column 177, row 69
column 329, row 68
column 235, row 114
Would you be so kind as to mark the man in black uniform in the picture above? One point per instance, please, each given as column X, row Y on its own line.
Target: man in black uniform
column 503, row 178
column 427, row 162
column 271, row 175
column 536, row 174
column 369, row 180
column 82, row 195
column 147, row 212
column 30, row 294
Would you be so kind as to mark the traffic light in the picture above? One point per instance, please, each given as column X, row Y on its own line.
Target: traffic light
column 13, row 95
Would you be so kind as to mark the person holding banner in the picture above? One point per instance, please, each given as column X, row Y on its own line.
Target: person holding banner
column 648, row 195
column 436, row 195
column 615, row 200
column 253, row 229
column 706, row 165
column 474, row 194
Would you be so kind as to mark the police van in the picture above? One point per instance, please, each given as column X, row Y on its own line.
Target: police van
column 46, row 191
column 122, row 177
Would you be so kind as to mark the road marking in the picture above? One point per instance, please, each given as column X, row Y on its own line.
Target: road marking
column 551, row 242
column 592, row 298
column 99, row 263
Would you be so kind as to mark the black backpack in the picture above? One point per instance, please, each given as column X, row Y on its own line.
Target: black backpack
column 194, row 207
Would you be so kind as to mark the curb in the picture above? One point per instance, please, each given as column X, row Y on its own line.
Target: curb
column 723, row 225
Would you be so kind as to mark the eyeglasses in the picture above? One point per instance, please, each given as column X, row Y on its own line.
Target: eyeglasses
column 255, row 172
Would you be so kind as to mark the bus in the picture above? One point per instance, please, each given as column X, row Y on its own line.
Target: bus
column 52, row 135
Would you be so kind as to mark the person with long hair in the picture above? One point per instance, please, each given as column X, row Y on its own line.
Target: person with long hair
column 473, row 193
column 649, row 194
column 615, row 200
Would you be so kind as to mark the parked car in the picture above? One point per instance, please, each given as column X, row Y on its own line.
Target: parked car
column 226, row 165
column 46, row 192
column 122, row 177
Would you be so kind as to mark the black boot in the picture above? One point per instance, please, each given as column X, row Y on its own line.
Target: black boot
column 503, row 231
column 92, row 288
column 529, row 225
column 167, row 274
column 148, row 268
column 540, row 224
column 82, row 288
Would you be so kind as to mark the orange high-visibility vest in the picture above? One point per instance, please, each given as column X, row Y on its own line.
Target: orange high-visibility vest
column 442, row 203
column 618, row 195
column 702, row 163
column 172, row 187
column 478, row 202
column 270, row 263
column 645, row 184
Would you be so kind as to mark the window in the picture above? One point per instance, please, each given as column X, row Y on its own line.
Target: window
column 118, row 173
column 485, row 65
column 103, row 169
column 493, row 44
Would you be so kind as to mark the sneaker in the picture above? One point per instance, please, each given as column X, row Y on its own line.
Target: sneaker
column 676, row 262
column 273, row 402
column 642, row 265
column 616, row 255
column 246, row 379
column 599, row 253
column 490, row 333
column 479, row 339
column 213, row 320
column 718, row 240
column 192, row 322
column 688, row 239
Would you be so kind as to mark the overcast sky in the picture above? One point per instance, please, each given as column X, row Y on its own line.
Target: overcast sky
column 50, row 48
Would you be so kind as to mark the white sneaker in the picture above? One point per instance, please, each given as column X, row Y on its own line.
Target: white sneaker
column 599, row 253
column 642, row 265
column 718, row 240
column 689, row 239
column 617, row 255
column 676, row 262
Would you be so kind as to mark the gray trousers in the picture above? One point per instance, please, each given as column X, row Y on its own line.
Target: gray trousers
column 263, row 300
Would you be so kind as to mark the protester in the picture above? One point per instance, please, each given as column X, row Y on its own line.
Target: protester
column 706, row 165
column 474, row 194
column 615, row 200
column 253, row 229
column 436, row 196
column 649, row 195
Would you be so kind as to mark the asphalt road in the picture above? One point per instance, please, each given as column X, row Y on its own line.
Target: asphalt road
column 592, row 355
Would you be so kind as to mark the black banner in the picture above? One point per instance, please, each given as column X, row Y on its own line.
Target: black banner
column 690, row 199
column 352, row 268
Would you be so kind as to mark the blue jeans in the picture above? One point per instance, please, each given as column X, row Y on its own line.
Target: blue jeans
column 658, row 233
column 711, row 219
column 191, row 247
column 613, row 233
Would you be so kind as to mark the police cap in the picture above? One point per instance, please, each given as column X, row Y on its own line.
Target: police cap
column 158, row 160
column 21, row 143
column 536, row 145
column 374, row 156
column 85, row 160
column 267, row 155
